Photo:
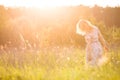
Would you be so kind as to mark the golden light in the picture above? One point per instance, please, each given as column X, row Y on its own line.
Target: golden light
column 38, row 3
column 57, row 3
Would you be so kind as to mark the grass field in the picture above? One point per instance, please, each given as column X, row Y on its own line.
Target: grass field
column 58, row 63
column 42, row 44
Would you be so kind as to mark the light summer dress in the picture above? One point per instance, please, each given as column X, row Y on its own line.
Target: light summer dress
column 94, row 47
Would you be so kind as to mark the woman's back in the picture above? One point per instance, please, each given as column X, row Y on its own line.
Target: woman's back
column 92, row 36
column 94, row 47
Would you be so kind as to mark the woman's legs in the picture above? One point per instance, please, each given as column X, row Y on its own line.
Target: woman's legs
column 93, row 56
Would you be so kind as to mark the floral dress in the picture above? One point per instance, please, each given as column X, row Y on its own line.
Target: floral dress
column 94, row 49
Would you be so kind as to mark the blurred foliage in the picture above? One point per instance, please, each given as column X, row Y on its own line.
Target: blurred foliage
column 32, row 27
column 66, row 63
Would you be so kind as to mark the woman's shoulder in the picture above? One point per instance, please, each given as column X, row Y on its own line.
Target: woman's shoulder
column 96, row 28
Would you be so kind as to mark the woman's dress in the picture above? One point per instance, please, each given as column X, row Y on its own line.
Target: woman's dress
column 93, row 48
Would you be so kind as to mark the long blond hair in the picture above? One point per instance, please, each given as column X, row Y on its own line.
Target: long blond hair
column 83, row 22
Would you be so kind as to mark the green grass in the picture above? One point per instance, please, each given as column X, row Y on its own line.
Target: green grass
column 56, row 64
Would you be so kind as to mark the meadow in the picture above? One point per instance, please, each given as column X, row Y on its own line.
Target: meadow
column 35, row 45
column 56, row 63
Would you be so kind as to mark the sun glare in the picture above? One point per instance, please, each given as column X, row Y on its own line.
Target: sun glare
column 57, row 3
column 44, row 3
column 38, row 3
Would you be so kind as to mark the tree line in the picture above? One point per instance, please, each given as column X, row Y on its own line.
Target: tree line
column 33, row 27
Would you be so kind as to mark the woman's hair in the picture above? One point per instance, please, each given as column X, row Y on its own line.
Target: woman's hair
column 82, row 24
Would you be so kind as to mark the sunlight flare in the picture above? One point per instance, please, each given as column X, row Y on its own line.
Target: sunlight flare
column 57, row 3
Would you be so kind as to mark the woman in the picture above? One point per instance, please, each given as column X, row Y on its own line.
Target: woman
column 94, row 39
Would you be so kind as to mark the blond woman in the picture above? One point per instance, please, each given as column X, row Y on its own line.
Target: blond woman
column 94, row 39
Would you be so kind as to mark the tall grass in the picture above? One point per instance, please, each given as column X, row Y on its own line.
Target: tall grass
column 58, row 63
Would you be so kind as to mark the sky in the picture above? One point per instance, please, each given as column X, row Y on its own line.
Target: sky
column 55, row 3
